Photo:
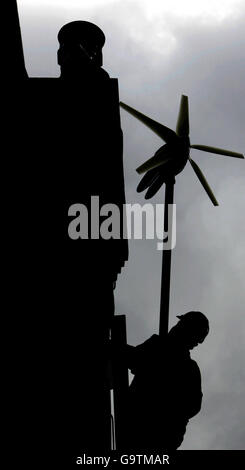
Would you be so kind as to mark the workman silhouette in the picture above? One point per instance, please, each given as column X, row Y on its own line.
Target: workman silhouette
column 166, row 390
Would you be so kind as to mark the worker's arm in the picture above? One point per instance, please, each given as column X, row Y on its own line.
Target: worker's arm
column 137, row 357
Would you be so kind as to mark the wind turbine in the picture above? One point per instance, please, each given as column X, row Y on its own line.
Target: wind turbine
column 168, row 161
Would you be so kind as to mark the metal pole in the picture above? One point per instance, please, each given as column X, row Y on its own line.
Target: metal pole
column 166, row 263
column 120, row 377
column 16, row 46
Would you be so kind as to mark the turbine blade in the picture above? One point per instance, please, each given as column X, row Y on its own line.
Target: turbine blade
column 147, row 180
column 204, row 182
column 182, row 128
column 162, row 131
column 155, row 187
column 207, row 148
column 153, row 162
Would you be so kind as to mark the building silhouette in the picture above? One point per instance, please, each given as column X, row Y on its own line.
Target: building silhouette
column 66, row 145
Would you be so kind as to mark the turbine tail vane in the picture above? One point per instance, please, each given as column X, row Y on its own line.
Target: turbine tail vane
column 182, row 128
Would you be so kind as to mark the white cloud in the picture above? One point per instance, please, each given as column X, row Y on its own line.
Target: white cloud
column 216, row 9
column 208, row 9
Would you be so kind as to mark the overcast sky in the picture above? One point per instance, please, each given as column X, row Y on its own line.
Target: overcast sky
column 158, row 50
